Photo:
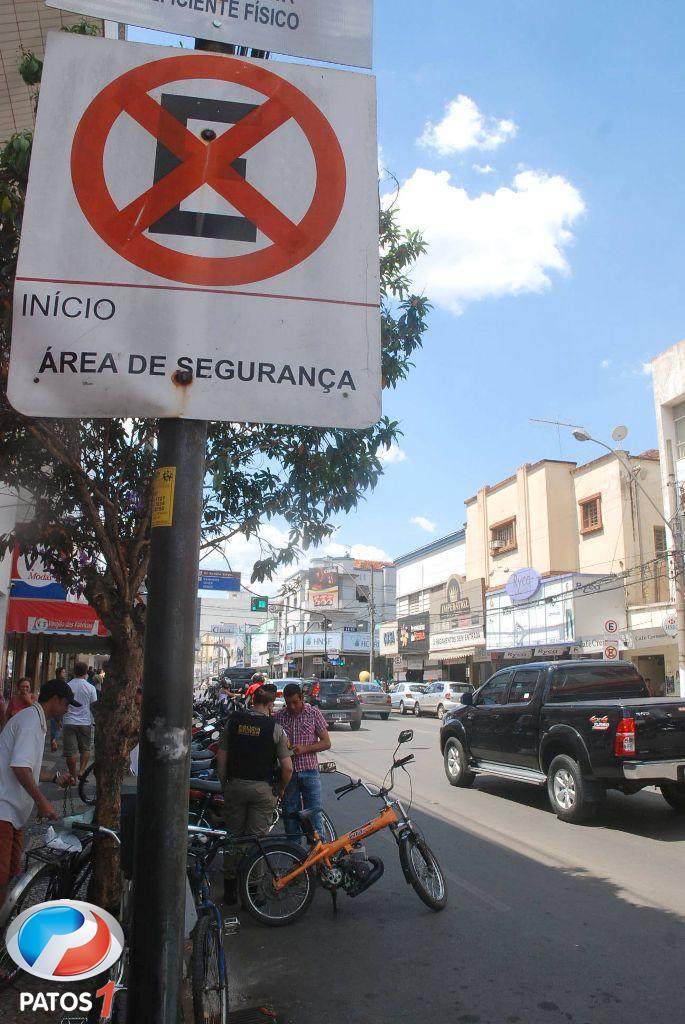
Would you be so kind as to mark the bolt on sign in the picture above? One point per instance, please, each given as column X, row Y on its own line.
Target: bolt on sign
column 336, row 31
column 200, row 240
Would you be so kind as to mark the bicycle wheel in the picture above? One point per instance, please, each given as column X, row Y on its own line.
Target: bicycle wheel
column 208, row 974
column 39, row 888
column 258, row 896
column 330, row 833
column 423, row 871
column 87, row 785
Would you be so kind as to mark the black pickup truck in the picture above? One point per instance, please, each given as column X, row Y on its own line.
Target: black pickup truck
column 577, row 727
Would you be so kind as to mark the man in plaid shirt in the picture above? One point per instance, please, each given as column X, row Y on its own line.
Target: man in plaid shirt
column 307, row 732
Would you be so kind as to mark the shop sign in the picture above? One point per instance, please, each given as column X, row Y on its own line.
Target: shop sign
column 523, row 584
column 516, row 653
column 551, row 652
column 455, row 638
column 414, row 633
column 455, row 603
column 670, row 624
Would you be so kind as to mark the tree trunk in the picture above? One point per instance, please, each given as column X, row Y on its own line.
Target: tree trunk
column 117, row 723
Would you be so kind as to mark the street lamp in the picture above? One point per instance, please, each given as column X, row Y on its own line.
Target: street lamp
column 673, row 526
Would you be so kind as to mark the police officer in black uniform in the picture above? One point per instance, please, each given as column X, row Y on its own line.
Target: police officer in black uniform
column 251, row 745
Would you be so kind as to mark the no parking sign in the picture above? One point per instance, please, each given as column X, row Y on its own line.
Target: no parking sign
column 204, row 216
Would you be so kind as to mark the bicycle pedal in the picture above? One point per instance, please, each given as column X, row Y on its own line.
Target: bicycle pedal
column 231, row 926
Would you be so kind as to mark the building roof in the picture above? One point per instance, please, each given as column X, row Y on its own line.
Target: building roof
column 651, row 453
column 489, row 488
column 432, row 548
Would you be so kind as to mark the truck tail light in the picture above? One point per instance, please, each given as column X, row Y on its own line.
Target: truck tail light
column 624, row 740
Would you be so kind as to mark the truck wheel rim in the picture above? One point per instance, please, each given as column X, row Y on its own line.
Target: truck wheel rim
column 454, row 762
column 564, row 789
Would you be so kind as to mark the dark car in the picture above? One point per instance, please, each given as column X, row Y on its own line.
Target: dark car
column 579, row 728
column 336, row 699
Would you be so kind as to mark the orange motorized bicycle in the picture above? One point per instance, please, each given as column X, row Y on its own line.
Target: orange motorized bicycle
column 278, row 880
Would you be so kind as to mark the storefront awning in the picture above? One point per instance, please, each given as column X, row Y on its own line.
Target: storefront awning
column 53, row 617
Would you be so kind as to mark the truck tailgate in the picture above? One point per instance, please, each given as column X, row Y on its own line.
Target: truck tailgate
column 659, row 727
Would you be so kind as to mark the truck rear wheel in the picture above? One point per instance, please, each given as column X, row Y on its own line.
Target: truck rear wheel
column 568, row 792
column 674, row 795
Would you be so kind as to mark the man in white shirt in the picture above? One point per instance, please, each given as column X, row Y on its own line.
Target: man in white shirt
column 78, row 721
column 22, row 743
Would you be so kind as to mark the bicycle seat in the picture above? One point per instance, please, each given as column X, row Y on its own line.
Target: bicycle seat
column 306, row 819
column 201, row 754
column 206, row 785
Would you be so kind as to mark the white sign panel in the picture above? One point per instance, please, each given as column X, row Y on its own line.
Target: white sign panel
column 200, row 240
column 455, row 638
column 330, row 30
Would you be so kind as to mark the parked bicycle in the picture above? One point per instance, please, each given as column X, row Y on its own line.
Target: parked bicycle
column 278, row 881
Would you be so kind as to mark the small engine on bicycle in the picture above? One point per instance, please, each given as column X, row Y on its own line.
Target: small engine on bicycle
column 353, row 872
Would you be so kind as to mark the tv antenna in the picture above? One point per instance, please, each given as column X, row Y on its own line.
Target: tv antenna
column 558, row 424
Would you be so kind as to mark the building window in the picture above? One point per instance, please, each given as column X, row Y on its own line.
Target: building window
column 591, row 514
column 679, row 424
column 403, row 606
column 503, row 537
column 661, row 574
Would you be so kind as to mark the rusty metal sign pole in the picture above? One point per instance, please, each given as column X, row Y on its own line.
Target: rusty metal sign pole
column 156, row 961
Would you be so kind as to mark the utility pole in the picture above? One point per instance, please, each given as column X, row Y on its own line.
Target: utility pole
column 159, row 887
column 676, row 528
column 372, row 625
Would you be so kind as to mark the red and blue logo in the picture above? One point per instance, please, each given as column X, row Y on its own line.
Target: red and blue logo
column 65, row 940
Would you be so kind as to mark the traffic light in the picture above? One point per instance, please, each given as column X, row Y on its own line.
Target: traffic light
column 259, row 604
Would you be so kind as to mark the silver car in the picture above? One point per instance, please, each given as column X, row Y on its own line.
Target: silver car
column 404, row 697
column 441, row 697
column 373, row 699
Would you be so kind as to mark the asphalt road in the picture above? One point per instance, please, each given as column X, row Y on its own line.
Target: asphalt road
column 546, row 922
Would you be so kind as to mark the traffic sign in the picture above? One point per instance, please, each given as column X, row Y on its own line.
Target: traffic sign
column 611, row 652
column 611, row 626
column 218, row 579
column 340, row 33
column 213, row 253
column 272, row 646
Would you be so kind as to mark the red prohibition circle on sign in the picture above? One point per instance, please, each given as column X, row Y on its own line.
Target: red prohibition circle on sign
column 123, row 228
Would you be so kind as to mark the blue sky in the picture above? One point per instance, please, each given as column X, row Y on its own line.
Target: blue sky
column 539, row 146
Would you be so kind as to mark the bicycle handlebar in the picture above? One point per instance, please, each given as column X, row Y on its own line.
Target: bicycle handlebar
column 81, row 826
column 348, row 787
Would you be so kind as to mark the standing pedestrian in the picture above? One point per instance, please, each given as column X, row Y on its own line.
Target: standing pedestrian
column 22, row 743
column 55, row 724
column 307, row 731
column 251, row 745
column 77, row 724
column 23, row 698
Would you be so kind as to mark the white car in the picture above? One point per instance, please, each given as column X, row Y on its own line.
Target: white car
column 441, row 697
column 404, row 697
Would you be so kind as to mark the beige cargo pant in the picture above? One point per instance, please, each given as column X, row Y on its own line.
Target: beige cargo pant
column 248, row 811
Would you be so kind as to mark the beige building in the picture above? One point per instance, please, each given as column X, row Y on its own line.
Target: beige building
column 24, row 25
column 595, row 525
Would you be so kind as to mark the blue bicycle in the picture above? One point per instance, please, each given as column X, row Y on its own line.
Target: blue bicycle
column 208, row 966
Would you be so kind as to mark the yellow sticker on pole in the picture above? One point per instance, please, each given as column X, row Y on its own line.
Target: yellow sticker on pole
column 163, row 496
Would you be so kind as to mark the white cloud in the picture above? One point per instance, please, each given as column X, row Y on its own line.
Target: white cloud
column 646, row 369
column 605, row 364
column 494, row 244
column 363, row 551
column 392, row 454
column 463, row 127
column 424, row 524
column 483, row 168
